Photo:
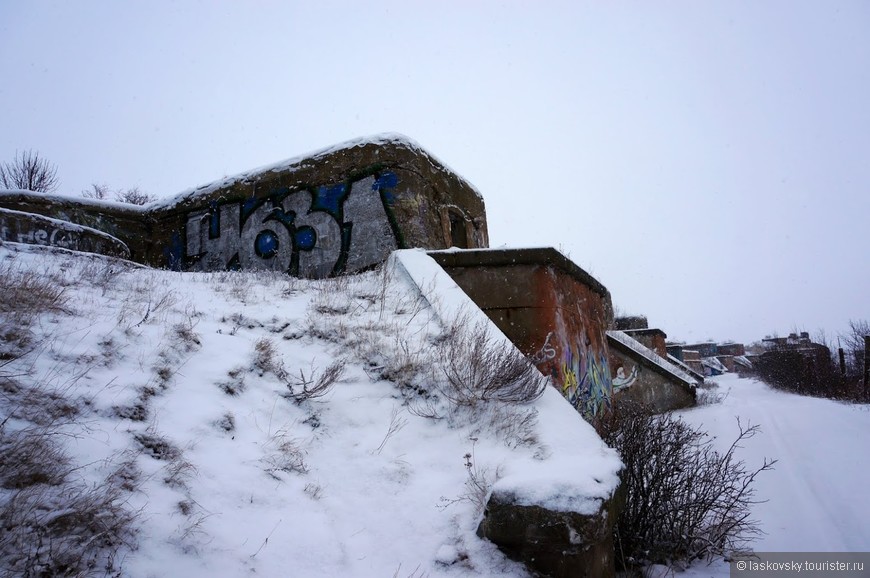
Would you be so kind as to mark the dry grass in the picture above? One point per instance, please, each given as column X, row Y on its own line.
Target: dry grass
column 266, row 358
column 26, row 296
column 284, row 455
column 54, row 524
column 477, row 369
column 64, row 530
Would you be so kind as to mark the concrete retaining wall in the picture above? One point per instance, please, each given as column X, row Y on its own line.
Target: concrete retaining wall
column 650, row 338
column 643, row 377
column 550, row 309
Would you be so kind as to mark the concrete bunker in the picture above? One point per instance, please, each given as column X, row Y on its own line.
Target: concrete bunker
column 339, row 210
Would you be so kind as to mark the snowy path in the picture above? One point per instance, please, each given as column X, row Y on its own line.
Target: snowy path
column 818, row 496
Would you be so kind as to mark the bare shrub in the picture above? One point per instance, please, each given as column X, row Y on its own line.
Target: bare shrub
column 684, row 500
column 333, row 328
column 807, row 373
column 239, row 321
column 134, row 196
column 401, row 364
column 156, row 305
column 97, row 191
column 30, row 172
column 313, row 386
column 853, row 344
column 477, row 368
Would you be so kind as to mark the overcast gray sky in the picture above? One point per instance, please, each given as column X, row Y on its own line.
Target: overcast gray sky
column 709, row 162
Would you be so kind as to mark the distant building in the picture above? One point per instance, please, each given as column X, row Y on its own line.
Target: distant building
column 727, row 361
column 704, row 349
column 651, row 338
column 733, row 349
column 799, row 343
column 627, row 322
column 794, row 340
column 688, row 357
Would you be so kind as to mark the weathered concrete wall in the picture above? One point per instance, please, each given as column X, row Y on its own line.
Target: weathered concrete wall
column 731, row 349
column 20, row 227
column 627, row 322
column 727, row 361
column 551, row 543
column 550, row 309
column 652, row 339
column 340, row 210
column 692, row 358
column 706, row 349
column 125, row 223
column 643, row 381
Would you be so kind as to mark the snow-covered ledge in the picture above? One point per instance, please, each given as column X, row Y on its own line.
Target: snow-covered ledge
column 554, row 510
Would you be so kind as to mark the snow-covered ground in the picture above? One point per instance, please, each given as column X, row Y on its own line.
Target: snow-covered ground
column 182, row 390
column 817, row 496
column 185, row 391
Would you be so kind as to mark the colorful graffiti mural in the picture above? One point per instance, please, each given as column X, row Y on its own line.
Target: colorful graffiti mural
column 587, row 384
column 313, row 232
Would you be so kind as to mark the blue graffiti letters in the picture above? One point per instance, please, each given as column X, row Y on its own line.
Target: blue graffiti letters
column 312, row 233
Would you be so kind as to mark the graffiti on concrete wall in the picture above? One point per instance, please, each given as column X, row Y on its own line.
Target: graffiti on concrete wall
column 32, row 229
column 545, row 353
column 587, row 383
column 312, row 233
column 50, row 236
column 622, row 381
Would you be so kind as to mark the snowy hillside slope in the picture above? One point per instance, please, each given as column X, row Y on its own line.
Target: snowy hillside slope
column 255, row 423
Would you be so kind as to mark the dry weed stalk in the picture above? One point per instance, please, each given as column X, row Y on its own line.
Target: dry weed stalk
column 477, row 368
column 314, row 386
column 396, row 425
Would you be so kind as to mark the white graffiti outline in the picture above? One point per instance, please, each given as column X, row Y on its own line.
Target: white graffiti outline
column 545, row 353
